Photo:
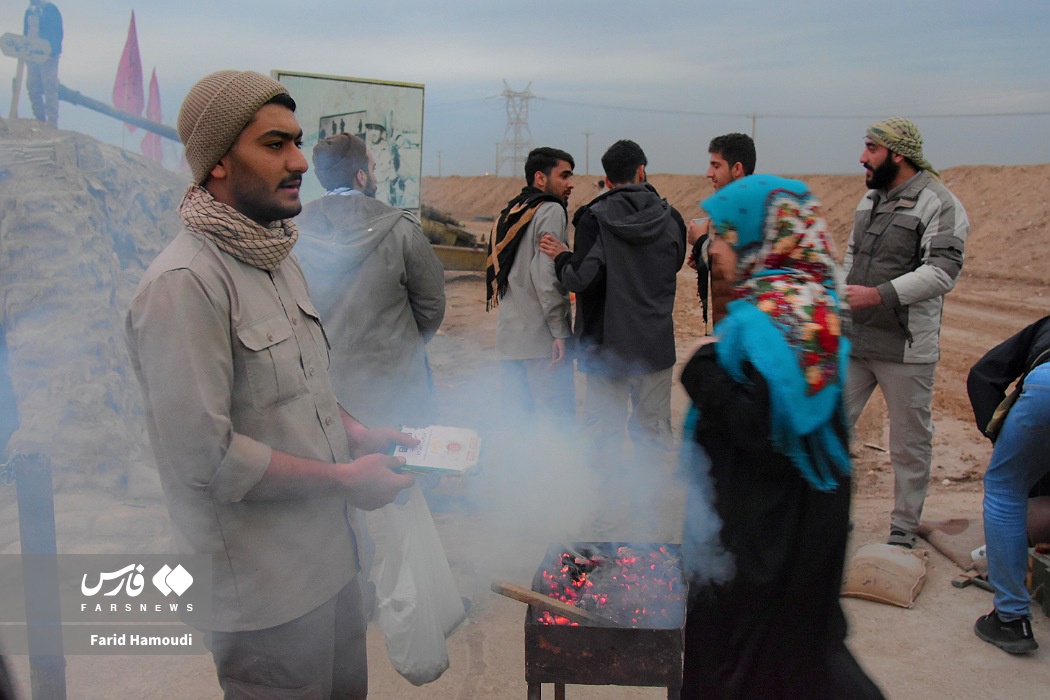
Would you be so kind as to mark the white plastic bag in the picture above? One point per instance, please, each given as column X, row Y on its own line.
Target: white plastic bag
column 418, row 604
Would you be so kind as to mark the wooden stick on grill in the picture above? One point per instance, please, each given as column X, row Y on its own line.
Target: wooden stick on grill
column 556, row 607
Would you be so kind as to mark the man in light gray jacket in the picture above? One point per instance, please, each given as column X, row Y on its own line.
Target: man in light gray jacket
column 905, row 253
column 534, row 330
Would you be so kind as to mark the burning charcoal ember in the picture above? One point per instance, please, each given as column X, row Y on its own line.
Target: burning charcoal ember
column 630, row 600
column 549, row 618
column 631, row 586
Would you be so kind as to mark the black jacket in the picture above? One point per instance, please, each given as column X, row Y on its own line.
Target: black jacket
column 993, row 374
column 630, row 244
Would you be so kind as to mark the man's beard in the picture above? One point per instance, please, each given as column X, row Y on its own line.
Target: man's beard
column 550, row 190
column 881, row 177
column 371, row 187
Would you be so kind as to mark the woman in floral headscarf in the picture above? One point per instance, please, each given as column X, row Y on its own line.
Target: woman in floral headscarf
column 768, row 414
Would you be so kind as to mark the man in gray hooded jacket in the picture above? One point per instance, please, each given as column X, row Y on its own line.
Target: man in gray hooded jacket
column 378, row 286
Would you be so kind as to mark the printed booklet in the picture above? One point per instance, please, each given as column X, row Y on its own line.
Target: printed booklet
column 443, row 449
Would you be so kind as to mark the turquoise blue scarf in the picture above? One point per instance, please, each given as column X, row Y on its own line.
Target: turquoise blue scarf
column 786, row 319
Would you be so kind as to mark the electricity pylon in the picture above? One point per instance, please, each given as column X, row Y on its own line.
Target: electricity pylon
column 517, row 139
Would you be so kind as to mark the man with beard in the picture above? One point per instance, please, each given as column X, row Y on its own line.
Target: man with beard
column 261, row 468
column 378, row 285
column 534, row 327
column 905, row 253
column 630, row 244
column 380, row 290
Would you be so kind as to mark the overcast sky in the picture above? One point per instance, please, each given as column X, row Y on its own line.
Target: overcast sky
column 668, row 74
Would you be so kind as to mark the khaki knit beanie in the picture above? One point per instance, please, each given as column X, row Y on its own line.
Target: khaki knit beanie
column 215, row 112
column 337, row 159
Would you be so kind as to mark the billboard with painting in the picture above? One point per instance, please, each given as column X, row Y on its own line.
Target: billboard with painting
column 388, row 115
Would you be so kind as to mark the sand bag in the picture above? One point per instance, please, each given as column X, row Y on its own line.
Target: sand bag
column 418, row 604
column 886, row 574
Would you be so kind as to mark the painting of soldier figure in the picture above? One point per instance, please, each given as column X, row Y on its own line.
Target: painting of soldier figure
column 387, row 115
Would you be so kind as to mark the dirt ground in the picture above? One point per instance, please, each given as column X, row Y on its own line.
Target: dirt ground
column 928, row 651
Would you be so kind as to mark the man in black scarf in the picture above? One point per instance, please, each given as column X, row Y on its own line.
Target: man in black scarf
column 534, row 326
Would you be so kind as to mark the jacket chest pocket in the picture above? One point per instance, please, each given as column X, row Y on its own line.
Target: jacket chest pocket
column 272, row 364
column 317, row 332
column 895, row 247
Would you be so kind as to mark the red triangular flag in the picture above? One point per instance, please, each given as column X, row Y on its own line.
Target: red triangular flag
column 127, row 89
column 151, row 145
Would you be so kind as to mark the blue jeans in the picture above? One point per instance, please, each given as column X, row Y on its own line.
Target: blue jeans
column 1019, row 460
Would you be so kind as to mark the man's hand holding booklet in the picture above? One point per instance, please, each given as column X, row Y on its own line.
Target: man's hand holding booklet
column 442, row 449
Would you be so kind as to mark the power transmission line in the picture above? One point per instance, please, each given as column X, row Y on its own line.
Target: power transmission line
column 775, row 115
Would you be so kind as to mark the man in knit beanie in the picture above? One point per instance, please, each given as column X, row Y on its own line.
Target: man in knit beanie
column 262, row 469
column 905, row 253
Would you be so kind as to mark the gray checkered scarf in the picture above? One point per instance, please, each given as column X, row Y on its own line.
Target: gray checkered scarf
column 259, row 246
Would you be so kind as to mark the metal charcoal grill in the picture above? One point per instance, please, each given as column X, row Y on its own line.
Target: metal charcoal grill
column 647, row 653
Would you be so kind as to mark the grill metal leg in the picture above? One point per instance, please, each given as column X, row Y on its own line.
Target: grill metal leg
column 535, row 691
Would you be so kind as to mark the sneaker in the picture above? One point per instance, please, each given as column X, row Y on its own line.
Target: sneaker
column 900, row 538
column 1014, row 637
